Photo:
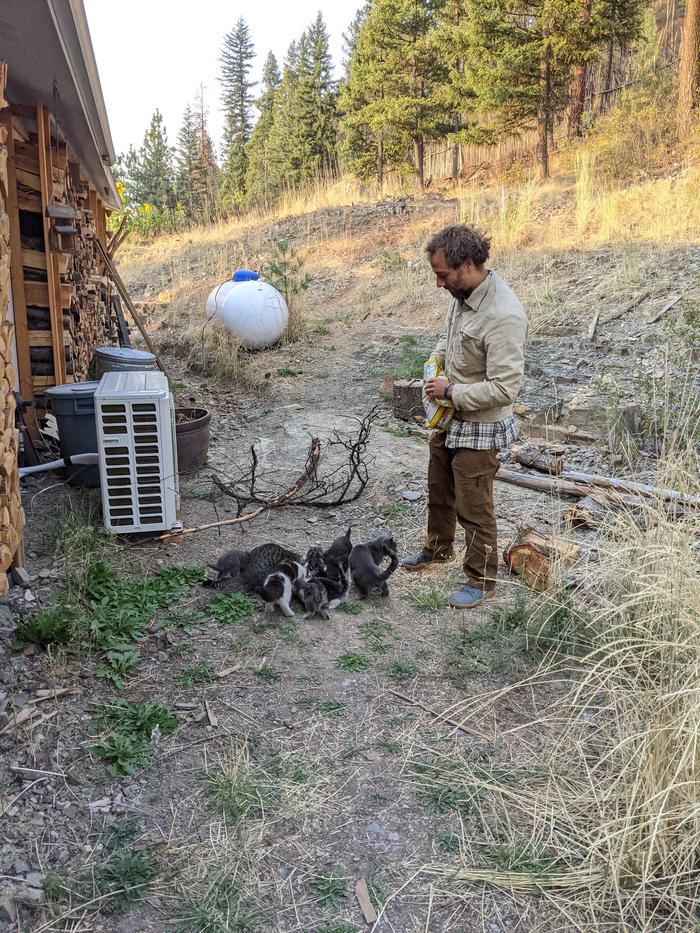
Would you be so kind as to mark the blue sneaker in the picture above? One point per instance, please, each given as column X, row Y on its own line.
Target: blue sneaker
column 467, row 597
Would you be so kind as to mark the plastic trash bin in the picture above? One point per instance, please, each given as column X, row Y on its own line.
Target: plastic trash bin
column 74, row 408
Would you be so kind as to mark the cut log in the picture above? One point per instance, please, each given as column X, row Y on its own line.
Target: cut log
column 532, row 456
column 407, row 401
column 531, row 555
column 632, row 487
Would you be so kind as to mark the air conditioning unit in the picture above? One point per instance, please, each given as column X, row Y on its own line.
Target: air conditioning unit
column 136, row 443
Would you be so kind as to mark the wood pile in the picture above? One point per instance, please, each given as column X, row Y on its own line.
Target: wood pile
column 59, row 219
column 11, row 513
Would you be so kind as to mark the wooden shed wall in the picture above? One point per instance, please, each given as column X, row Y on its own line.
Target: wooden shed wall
column 11, row 512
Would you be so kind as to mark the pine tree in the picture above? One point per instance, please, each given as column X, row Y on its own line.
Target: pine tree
column 314, row 101
column 258, row 187
column 148, row 174
column 282, row 168
column 689, row 80
column 392, row 82
column 186, row 162
column 236, row 60
column 206, row 179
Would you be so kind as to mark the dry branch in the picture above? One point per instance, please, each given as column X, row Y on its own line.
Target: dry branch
column 309, row 472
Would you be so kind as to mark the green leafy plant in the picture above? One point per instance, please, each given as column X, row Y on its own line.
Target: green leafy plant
column 332, row 707
column 235, row 794
column 183, row 620
column 131, row 726
column 268, row 675
column 53, row 626
column 201, row 672
column 350, row 609
column 216, row 907
column 396, row 510
column 286, row 372
column 331, row 889
column 429, row 600
column 228, row 608
column 403, row 670
column 376, row 635
column 118, row 665
column 353, row 661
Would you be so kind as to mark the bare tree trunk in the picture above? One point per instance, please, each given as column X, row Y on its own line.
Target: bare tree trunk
column 578, row 95
column 418, row 157
column 608, row 77
column 380, row 161
column 545, row 108
column 689, row 79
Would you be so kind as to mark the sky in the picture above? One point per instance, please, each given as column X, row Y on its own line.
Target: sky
column 154, row 53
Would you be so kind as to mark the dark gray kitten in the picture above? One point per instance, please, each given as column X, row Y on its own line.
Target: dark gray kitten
column 366, row 562
column 247, row 570
column 313, row 596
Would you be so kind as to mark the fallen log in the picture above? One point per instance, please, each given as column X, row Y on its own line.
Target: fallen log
column 530, row 455
column 580, row 485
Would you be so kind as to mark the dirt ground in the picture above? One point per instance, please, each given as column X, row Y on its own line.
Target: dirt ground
column 332, row 775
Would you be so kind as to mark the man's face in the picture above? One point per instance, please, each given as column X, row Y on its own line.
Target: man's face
column 459, row 282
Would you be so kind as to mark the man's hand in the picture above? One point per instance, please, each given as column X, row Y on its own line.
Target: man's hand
column 435, row 388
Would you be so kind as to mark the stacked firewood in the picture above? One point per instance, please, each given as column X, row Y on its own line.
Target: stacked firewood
column 11, row 513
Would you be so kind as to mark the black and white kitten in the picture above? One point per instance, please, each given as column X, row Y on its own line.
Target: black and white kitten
column 366, row 562
column 281, row 584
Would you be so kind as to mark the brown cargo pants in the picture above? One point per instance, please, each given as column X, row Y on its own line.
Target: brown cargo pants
column 460, row 489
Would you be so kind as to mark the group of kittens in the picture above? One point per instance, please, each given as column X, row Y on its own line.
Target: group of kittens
column 319, row 582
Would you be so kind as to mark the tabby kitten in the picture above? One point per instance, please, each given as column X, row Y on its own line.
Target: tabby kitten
column 247, row 570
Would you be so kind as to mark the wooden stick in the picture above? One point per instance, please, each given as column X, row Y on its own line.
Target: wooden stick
column 630, row 486
column 211, row 715
column 363, row 899
column 113, row 239
column 666, row 308
column 592, row 326
column 121, row 288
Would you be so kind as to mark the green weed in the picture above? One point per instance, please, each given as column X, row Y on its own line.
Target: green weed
column 332, row 707
column 54, row 626
column 397, row 432
column 323, row 330
column 449, row 843
column 183, row 620
column 216, row 907
column 131, row 726
column 286, row 372
column 350, row 609
column 429, row 600
column 403, row 670
column 118, row 665
column 123, row 878
column 337, row 926
column 236, row 795
column 329, row 890
column 268, row 674
column 390, row 746
column 438, row 787
column 524, row 857
column 353, row 661
column 396, row 510
column 228, row 608
column 376, row 634
column 201, row 672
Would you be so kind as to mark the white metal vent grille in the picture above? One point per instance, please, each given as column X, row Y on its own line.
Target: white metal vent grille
column 138, row 460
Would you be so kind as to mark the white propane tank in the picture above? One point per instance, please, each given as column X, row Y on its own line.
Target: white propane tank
column 254, row 311
column 217, row 295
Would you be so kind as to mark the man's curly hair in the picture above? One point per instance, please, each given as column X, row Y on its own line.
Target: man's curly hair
column 460, row 243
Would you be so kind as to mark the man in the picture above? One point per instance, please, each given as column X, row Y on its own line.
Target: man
column 482, row 355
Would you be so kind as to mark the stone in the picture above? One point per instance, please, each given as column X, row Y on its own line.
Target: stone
column 8, row 911
column 374, row 829
column 99, row 804
column 32, row 897
column 35, row 879
column 411, row 495
column 20, row 867
column 20, row 577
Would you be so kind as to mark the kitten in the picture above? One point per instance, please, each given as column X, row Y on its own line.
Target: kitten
column 366, row 561
column 229, row 568
column 315, row 562
column 341, row 548
column 338, row 577
column 247, row 570
column 313, row 596
column 281, row 584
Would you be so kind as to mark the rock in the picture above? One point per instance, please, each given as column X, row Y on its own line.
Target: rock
column 8, row 911
column 21, row 577
column 204, row 833
column 32, row 897
column 20, row 867
column 98, row 804
column 374, row 829
column 29, row 596
column 410, row 495
column 35, row 879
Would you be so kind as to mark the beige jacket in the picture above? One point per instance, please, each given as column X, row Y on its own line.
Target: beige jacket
column 482, row 351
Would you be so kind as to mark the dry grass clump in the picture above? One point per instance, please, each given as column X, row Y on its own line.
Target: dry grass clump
column 607, row 823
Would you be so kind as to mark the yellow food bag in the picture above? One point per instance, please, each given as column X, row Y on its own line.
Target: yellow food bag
column 438, row 412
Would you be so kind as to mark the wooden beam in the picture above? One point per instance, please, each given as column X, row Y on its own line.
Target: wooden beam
column 19, row 303
column 54, row 277
column 39, row 294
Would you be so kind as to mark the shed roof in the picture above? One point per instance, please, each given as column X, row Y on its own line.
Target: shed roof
column 47, row 46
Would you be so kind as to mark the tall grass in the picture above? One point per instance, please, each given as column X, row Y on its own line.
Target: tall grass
column 584, row 165
column 610, row 818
